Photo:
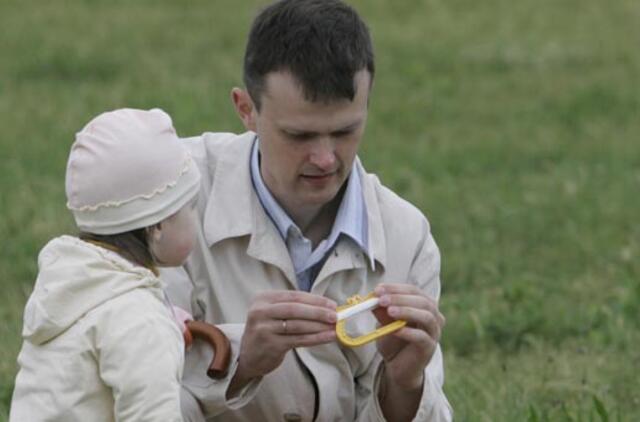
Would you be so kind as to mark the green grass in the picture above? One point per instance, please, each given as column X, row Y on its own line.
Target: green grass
column 514, row 125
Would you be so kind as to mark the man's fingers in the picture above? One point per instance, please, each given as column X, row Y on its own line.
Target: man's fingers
column 418, row 337
column 382, row 316
column 308, row 340
column 292, row 311
column 419, row 301
column 297, row 327
column 415, row 301
column 419, row 318
column 294, row 296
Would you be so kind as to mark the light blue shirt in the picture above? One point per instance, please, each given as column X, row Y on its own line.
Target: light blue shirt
column 351, row 221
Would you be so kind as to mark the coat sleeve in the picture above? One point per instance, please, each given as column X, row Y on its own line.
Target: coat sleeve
column 434, row 406
column 209, row 395
column 140, row 357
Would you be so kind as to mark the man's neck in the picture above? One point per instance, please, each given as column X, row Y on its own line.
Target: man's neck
column 316, row 223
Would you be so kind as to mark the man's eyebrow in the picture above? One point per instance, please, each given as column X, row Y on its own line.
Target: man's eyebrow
column 297, row 132
column 347, row 128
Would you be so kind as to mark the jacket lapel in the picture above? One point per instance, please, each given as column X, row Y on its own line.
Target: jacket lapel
column 346, row 255
column 376, row 236
column 234, row 210
column 228, row 210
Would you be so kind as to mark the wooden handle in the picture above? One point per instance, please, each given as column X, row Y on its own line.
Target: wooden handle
column 220, row 344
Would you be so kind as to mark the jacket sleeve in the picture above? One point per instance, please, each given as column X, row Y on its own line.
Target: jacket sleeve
column 140, row 357
column 434, row 406
column 210, row 395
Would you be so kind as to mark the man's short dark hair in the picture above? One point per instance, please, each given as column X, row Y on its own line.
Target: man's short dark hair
column 322, row 43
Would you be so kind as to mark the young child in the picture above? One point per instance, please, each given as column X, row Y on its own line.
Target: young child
column 100, row 342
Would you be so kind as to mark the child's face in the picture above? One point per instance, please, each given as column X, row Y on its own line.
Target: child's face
column 175, row 237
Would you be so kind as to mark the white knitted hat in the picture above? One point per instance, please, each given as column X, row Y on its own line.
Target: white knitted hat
column 127, row 170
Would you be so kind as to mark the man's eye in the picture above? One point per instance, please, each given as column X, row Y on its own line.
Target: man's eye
column 300, row 136
column 341, row 134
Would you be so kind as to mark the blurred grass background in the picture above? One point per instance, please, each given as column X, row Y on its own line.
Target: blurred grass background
column 515, row 126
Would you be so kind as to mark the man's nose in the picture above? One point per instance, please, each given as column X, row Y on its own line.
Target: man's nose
column 323, row 154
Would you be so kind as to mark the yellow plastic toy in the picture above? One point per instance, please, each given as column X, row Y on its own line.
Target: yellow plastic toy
column 355, row 305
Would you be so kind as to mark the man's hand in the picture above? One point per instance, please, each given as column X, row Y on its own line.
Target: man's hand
column 407, row 351
column 278, row 321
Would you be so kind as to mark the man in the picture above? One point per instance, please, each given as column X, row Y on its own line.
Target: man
column 292, row 225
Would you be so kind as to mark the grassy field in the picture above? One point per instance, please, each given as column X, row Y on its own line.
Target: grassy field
column 515, row 126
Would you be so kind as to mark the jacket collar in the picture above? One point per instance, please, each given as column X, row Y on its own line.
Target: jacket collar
column 229, row 209
column 351, row 218
column 377, row 242
column 234, row 210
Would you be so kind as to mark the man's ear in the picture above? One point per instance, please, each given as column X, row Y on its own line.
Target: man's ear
column 244, row 107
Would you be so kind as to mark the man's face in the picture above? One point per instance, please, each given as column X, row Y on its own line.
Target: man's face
column 307, row 148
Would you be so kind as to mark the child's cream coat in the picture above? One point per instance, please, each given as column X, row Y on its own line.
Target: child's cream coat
column 99, row 341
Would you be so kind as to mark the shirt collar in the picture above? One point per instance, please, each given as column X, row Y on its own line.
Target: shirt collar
column 279, row 217
column 351, row 219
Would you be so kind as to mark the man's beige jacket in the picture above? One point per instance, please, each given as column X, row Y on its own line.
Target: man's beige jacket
column 241, row 253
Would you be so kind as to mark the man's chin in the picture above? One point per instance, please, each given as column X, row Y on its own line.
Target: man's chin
column 320, row 197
